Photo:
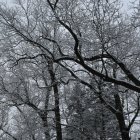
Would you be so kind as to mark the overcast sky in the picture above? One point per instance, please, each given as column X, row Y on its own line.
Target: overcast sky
column 124, row 1
column 126, row 4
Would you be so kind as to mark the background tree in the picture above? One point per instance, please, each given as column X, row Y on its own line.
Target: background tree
column 91, row 40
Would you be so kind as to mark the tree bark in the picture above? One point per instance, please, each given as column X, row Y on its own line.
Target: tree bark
column 123, row 129
column 43, row 116
column 120, row 117
column 103, row 131
column 56, row 96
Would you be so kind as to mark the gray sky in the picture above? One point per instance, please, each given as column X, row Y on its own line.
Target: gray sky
column 8, row 1
column 126, row 4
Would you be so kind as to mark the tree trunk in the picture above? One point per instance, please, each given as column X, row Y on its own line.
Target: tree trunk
column 125, row 135
column 56, row 96
column 120, row 117
column 103, row 131
column 43, row 114
column 123, row 129
column 47, row 134
column 57, row 114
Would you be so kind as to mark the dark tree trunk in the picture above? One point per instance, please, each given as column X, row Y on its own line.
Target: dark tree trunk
column 125, row 135
column 57, row 114
column 120, row 117
column 103, row 132
column 56, row 96
column 123, row 128
column 44, row 113
column 43, row 116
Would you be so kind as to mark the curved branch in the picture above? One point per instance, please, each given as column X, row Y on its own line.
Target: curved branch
column 102, row 76
column 125, row 69
column 70, row 31
column 136, row 114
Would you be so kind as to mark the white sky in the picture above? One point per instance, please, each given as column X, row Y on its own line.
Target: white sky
column 126, row 3
column 8, row 1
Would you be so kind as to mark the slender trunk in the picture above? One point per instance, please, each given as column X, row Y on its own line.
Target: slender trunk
column 119, row 114
column 43, row 116
column 56, row 96
column 57, row 114
column 120, row 117
column 44, row 113
column 123, row 129
column 45, row 121
column 103, row 132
